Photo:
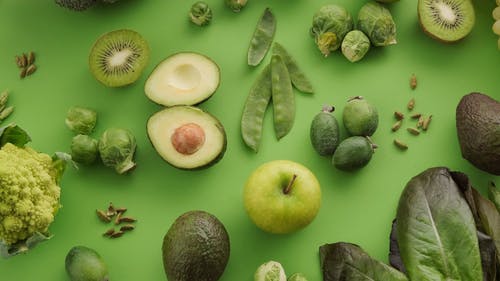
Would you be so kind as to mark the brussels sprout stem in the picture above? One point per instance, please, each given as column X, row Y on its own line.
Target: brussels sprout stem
column 328, row 108
column 288, row 188
column 355, row 98
column 125, row 167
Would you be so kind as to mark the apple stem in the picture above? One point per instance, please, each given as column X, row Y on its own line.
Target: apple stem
column 288, row 188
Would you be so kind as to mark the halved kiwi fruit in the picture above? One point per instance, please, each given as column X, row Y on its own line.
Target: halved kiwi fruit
column 184, row 78
column 119, row 57
column 446, row 20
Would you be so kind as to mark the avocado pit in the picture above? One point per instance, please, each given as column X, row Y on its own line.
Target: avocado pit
column 188, row 138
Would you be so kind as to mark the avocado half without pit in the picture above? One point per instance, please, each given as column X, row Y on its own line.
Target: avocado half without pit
column 187, row 137
column 183, row 79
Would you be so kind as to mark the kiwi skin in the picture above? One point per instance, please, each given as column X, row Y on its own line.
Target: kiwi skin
column 118, row 36
column 438, row 38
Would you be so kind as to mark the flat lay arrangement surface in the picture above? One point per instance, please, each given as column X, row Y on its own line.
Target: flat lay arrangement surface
column 219, row 104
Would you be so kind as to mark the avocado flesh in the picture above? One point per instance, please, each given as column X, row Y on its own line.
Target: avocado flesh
column 196, row 247
column 478, row 129
column 183, row 79
column 163, row 125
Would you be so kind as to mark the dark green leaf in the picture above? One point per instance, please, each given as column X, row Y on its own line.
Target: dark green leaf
column 345, row 261
column 488, row 257
column 436, row 231
column 486, row 216
column 494, row 195
column 13, row 134
column 394, row 254
column 7, row 251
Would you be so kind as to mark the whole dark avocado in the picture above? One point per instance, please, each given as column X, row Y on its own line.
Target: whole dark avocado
column 195, row 248
column 478, row 128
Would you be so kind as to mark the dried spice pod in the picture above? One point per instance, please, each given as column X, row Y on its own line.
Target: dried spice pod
column 127, row 227
column 117, row 234
column 19, row 62
column 399, row 115
column 121, row 210
column 401, row 145
column 413, row 81
column 396, row 126
column 23, row 60
column 416, row 116
column 118, row 218
column 31, row 58
column 102, row 216
column 30, row 69
column 411, row 104
column 109, row 232
column 6, row 112
column 127, row 219
column 22, row 74
column 413, row 131
column 111, row 210
column 420, row 121
column 426, row 123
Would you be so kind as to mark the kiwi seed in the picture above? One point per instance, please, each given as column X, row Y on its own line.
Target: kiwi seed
column 446, row 20
column 119, row 57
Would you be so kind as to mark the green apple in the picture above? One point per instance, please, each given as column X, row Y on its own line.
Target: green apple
column 282, row 196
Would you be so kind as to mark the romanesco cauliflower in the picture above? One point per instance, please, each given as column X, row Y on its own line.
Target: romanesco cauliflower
column 29, row 193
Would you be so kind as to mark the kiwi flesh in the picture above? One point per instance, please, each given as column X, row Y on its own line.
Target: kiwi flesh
column 446, row 20
column 119, row 57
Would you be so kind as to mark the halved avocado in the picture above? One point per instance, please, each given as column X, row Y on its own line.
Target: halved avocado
column 183, row 79
column 187, row 137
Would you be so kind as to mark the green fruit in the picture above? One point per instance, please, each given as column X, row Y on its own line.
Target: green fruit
column 85, row 264
column 187, row 137
column 324, row 132
column 360, row 117
column 119, row 57
column 478, row 128
column 196, row 247
column 184, row 78
column 297, row 277
column 353, row 153
column 446, row 20
column 282, row 196
column 76, row 5
column 270, row 271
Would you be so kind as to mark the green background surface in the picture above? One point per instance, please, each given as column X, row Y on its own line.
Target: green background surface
column 356, row 207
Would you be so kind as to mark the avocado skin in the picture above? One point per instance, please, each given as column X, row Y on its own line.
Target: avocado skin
column 324, row 133
column 353, row 153
column 196, row 247
column 478, row 129
column 85, row 264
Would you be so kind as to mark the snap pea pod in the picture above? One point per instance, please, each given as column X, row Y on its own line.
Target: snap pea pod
column 262, row 38
column 283, row 98
column 299, row 79
column 255, row 109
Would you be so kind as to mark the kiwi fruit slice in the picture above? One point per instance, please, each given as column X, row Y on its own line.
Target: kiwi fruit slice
column 119, row 57
column 446, row 20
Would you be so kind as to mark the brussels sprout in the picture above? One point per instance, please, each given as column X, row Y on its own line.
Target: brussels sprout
column 355, row 45
column 330, row 24
column 376, row 22
column 236, row 5
column 81, row 120
column 117, row 148
column 84, row 149
column 270, row 271
column 200, row 14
